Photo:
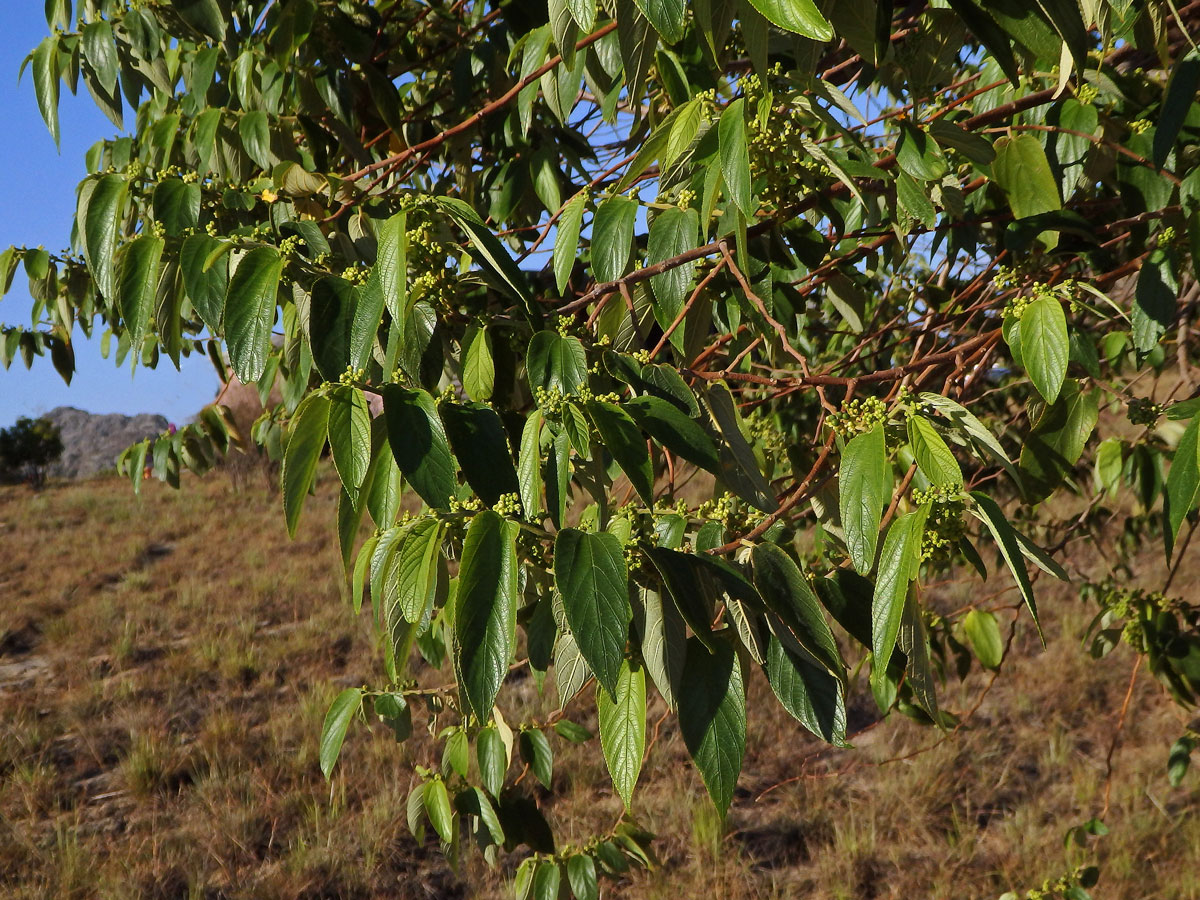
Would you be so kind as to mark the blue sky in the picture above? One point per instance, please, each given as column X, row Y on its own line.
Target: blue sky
column 37, row 202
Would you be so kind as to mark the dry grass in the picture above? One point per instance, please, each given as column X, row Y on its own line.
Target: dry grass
column 165, row 663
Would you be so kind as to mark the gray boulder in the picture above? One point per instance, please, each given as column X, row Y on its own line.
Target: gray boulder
column 91, row 443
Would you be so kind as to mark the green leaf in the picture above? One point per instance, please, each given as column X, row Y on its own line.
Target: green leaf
column 485, row 617
column 566, row 238
column 589, row 572
column 913, row 641
column 1021, row 169
column 487, row 249
column 743, row 475
column 570, row 668
column 1177, row 105
column 1183, row 483
column 808, row 692
column 529, row 467
column 984, row 636
column 203, row 15
column 936, row 460
column 547, row 880
column 332, row 312
column 622, row 719
column 101, row 209
column 864, row 488
column 966, row 421
column 1057, row 440
column 481, row 447
column 478, row 365
column 337, row 721
column 612, row 237
column 45, row 82
column 205, row 288
column 536, row 753
column 1156, row 301
column 250, row 311
column 663, row 642
column 1045, row 345
column 438, row 808
column 712, row 718
column 366, row 314
column 101, row 53
column 918, row 154
column 584, row 14
column 473, row 801
column 674, row 231
column 391, row 265
column 975, row 147
column 667, row 17
column 410, row 581
column 788, row 594
column 138, row 284
column 350, row 437
column 799, row 16
column 680, row 434
column 623, row 439
column 1006, row 539
column 493, row 759
column 255, row 132
column 899, row 562
column 418, row 442
column 1179, row 760
column 581, row 875
column 306, row 440
column 177, row 205
column 556, row 361
column 735, row 155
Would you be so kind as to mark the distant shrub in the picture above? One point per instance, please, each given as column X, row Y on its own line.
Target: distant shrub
column 28, row 448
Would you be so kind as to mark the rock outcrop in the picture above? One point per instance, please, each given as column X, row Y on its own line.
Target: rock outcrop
column 91, row 442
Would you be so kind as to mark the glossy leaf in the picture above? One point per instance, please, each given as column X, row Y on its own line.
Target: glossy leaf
column 250, row 311
column 612, row 237
column 788, row 594
column 337, row 722
column 418, row 442
column 305, row 442
column 899, row 562
column 934, row 457
column 984, row 635
column 680, row 434
column 485, row 616
column 735, row 157
column 622, row 718
column 864, row 488
column 589, row 572
column 138, row 283
column 566, row 238
column 1006, row 540
column 350, row 437
column 1021, row 168
column 623, row 439
column 1045, row 345
column 801, row 16
column 712, row 718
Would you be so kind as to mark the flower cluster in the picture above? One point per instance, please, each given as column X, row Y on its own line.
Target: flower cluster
column 1144, row 411
column 944, row 526
column 858, row 415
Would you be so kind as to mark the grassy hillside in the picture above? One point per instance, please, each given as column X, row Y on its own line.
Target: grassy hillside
column 165, row 663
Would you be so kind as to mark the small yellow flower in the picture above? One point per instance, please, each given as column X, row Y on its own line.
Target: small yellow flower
column 269, row 196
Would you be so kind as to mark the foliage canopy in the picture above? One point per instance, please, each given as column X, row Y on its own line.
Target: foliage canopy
column 660, row 342
column 28, row 448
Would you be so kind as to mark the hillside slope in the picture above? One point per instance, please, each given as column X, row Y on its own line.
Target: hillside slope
column 166, row 661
